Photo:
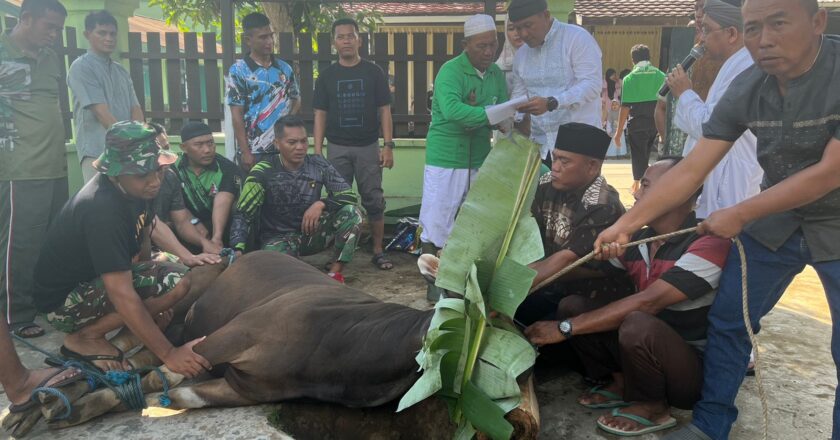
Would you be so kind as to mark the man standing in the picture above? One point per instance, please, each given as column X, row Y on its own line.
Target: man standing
column 459, row 135
column 260, row 90
column 91, row 276
column 33, row 163
column 282, row 194
column 573, row 204
column 651, row 342
column 639, row 95
column 558, row 68
column 790, row 100
column 209, row 182
column 738, row 175
column 352, row 103
column 102, row 90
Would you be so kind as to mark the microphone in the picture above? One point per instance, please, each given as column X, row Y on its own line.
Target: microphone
column 695, row 54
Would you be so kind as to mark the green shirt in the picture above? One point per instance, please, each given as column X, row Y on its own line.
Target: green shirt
column 31, row 126
column 459, row 135
column 642, row 84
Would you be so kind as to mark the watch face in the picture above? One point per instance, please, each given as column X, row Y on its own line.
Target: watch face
column 565, row 327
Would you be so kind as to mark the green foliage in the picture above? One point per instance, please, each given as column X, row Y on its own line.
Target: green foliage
column 468, row 359
column 307, row 16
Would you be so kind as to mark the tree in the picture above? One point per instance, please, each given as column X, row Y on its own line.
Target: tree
column 299, row 16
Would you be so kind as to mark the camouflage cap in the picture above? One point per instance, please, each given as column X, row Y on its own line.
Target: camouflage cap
column 131, row 148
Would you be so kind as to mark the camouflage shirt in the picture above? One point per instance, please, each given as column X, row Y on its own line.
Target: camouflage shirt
column 279, row 198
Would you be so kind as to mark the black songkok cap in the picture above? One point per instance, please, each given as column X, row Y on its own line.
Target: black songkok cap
column 194, row 130
column 522, row 9
column 583, row 139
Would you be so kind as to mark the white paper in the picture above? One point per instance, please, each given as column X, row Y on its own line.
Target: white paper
column 499, row 112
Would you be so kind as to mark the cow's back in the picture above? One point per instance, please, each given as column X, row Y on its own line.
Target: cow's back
column 289, row 332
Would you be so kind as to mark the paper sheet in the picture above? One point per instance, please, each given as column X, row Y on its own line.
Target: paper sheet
column 499, row 112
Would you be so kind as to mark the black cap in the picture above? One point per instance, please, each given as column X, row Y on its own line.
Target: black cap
column 522, row 9
column 193, row 130
column 583, row 139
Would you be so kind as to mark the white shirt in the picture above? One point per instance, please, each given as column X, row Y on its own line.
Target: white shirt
column 566, row 66
column 738, row 175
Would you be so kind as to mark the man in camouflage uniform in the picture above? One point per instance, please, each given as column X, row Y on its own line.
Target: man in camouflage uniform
column 284, row 192
column 89, row 276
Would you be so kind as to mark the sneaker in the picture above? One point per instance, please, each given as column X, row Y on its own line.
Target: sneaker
column 336, row 276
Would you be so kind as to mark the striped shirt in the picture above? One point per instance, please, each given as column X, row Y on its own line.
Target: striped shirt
column 691, row 263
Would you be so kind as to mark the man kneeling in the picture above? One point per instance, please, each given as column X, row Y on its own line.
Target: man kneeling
column 88, row 276
column 649, row 342
column 284, row 191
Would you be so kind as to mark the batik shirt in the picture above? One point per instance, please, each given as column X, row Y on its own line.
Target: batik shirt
column 573, row 219
column 264, row 93
column 279, row 198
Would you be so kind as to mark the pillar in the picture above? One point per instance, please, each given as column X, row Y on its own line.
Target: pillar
column 77, row 10
column 560, row 9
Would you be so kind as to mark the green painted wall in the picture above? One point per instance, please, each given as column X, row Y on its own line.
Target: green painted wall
column 403, row 184
column 561, row 9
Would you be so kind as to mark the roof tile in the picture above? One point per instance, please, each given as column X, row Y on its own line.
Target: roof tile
column 634, row 8
column 420, row 9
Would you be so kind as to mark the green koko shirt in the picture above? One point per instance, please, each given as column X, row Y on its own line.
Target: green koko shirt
column 31, row 128
column 459, row 135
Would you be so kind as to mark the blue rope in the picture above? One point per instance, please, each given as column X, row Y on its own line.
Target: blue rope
column 125, row 384
column 228, row 252
column 68, row 408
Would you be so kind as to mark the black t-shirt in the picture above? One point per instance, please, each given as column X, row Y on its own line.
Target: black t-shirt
column 98, row 231
column 169, row 198
column 351, row 96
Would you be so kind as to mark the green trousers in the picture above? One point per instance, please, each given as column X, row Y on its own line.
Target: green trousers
column 340, row 227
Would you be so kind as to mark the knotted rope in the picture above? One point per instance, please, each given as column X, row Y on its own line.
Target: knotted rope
column 744, row 301
column 125, row 384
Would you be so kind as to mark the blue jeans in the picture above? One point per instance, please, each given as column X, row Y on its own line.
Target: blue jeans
column 728, row 349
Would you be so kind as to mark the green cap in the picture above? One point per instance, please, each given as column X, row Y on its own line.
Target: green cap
column 131, row 148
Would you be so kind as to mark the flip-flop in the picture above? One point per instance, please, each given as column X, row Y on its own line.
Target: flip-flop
column 89, row 359
column 380, row 260
column 615, row 400
column 20, row 330
column 32, row 402
column 649, row 426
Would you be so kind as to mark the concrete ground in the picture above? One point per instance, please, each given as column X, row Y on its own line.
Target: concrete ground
column 798, row 372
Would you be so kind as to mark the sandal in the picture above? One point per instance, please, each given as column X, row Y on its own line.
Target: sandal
column 89, row 359
column 649, row 425
column 29, row 404
column 615, row 401
column 28, row 330
column 382, row 262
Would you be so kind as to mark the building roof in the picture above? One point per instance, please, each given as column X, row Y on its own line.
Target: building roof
column 633, row 8
column 391, row 9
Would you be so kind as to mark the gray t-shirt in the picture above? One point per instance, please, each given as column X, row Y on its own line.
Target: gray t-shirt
column 95, row 79
column 792, row 131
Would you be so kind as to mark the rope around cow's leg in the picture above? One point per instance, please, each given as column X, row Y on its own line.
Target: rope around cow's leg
column 753, row 339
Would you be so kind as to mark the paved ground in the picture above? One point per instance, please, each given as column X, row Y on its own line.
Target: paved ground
column 798, row 373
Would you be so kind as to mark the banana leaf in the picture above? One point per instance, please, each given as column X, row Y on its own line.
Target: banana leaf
column 468, row 359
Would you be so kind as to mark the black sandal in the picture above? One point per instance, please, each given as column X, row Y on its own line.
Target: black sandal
column 382, row 262
column 88, row 359
column 20, row 330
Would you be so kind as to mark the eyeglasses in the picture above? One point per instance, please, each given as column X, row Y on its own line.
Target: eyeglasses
column 706, row 31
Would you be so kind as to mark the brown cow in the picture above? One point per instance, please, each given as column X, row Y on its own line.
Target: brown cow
column 278, row 329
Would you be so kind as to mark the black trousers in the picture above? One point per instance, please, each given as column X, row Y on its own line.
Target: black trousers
column 640, row 143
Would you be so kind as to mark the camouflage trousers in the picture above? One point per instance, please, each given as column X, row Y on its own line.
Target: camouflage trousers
column 89, row 301
column 341, row 227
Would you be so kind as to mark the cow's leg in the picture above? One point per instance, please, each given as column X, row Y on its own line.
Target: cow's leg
column 213, row 393
column 105, row 400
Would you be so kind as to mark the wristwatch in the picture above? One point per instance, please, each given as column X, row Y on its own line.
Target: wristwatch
column 552, row 104
column 390, row 144
column 565, row 328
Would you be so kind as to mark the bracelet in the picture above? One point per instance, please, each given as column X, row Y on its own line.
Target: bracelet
column 390, row 144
